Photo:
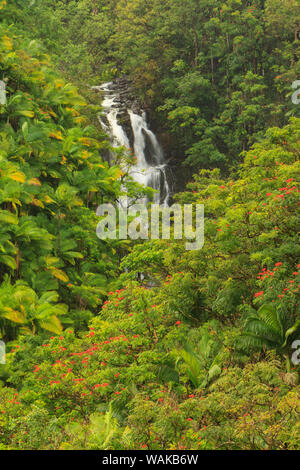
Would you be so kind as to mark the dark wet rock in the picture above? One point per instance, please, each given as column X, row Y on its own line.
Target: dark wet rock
column 126, row 99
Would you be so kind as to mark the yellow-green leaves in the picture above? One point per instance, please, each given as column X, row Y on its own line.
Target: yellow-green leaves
column 7, row 217
column 59, row 274
column 7, row 42
column 51, row 324
column 51, row 178
column 20, row 304
column 13, row 315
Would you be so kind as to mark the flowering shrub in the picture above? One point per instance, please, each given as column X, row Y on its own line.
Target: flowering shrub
column 196, row 355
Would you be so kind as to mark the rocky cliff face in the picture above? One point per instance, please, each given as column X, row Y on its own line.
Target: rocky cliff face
column 126, row 122
column 125, row 99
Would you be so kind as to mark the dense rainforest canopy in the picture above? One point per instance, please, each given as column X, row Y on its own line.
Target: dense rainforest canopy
column 199, row 352
column 214, row 74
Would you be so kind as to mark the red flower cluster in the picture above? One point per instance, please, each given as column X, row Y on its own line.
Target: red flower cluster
column 259, row 294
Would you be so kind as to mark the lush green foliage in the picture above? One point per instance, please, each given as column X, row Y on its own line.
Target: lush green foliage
column 217, row 74
column 197, row 354
column 52, row 180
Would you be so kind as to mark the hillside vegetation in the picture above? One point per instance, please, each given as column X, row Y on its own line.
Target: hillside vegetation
column 200, row 353
column 214, row 75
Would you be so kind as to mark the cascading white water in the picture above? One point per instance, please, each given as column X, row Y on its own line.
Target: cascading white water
column 2, row 92
column 111, row 110
column 150, row 167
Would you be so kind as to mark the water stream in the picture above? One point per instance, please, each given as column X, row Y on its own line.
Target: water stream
column 150, row 168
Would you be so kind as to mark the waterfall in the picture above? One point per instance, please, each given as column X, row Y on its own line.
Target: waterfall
column 150, row 168
column 2, row 92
